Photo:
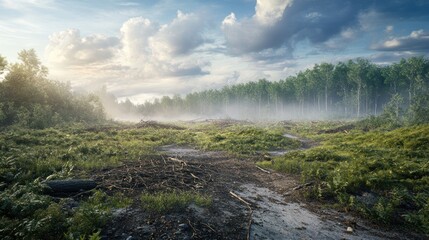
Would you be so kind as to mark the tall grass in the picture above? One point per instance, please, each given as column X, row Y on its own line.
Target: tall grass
column 382, row 174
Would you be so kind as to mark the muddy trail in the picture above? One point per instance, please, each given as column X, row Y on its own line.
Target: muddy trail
column 248, row 202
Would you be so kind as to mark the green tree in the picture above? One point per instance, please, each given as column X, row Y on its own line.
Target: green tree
column 29, row 99
column 3, row 64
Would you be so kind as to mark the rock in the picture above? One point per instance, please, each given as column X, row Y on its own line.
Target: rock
column 70, row 204
column 146, row 229
column 183, row 227
column 119, row 212
column 367, row 198
column 349, row 229
column 130, row 238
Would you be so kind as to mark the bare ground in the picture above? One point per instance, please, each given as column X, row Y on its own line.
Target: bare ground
column 248, row 203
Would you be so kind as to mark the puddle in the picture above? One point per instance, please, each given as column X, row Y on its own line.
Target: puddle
column 275, row 219
column 178, row 150
column 286, row 135
column 277, row 153
column 188, row 152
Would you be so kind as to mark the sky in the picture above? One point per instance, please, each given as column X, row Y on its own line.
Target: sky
column 145, row 49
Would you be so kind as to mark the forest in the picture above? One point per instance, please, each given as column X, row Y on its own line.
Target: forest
column 353, row 89
column 347, row 90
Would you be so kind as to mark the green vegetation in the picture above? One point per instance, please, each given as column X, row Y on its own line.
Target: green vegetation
column 29, row 99
column 245, row 139
column 377, row 166
column 27, row 214
column 30, row 156
column 173, row 201
column 356, row 88
column 382, row 174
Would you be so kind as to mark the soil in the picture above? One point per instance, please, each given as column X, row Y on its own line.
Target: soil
column 248, row 203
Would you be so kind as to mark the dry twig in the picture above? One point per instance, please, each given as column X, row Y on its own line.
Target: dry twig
column 263, row 170
column 249, row 224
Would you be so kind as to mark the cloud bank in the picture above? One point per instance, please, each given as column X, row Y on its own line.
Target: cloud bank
column 285, row 23
column 272, row 39
column 70, row 49
column 417, row 41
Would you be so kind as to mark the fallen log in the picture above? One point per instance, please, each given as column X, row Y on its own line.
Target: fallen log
column 70, row 185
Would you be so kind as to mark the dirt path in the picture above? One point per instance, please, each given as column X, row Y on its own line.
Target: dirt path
column 274, row 210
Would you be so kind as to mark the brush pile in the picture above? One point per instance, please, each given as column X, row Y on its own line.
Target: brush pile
column 155, row 173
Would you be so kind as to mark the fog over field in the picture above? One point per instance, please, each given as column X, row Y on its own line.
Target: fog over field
column 240, row 119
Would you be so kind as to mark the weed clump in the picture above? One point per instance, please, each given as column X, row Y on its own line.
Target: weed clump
column 173, row 201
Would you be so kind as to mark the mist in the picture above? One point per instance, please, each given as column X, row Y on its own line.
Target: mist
column 238, row 111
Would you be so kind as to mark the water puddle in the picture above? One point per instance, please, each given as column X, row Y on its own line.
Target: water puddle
column 188, row 152
column 287, row 135
column 275, row 219
column 277, row 153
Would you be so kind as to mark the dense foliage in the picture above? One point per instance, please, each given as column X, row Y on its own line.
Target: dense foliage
column 382, row 174
column 355, row 88
column 29, row 99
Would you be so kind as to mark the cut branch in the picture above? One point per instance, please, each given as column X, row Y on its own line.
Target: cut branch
column 263, row 170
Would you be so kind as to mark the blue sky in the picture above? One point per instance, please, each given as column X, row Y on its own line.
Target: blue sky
column 146, row 49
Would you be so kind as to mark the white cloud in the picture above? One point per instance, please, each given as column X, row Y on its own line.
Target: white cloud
column 313, row 16
column 69, row 48
column 146, row 58
column 417, row 41
column 166, row 50
column 284, row 23
column 270, row 11
column 254, row 34
column 389, row 29
column 26, row 4
column 134, row 37
column 179, row 37
column 229, row 20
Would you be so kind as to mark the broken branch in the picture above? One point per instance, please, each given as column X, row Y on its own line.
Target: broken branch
column 263, row 170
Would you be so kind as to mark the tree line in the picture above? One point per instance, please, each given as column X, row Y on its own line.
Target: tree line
column 29, row 99
column 352, row 89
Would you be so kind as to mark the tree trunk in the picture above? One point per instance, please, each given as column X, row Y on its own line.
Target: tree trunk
column 70, row 185
column 318, row 102
column 326, row 98
column 410, row 95
column 358, row 100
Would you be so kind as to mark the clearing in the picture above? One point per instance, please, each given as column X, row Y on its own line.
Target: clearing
column 248, row 202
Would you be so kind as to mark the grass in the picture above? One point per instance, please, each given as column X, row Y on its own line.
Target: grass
column 165, row 202
column 383, row 175
column 29, row 156
column 245, row 139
